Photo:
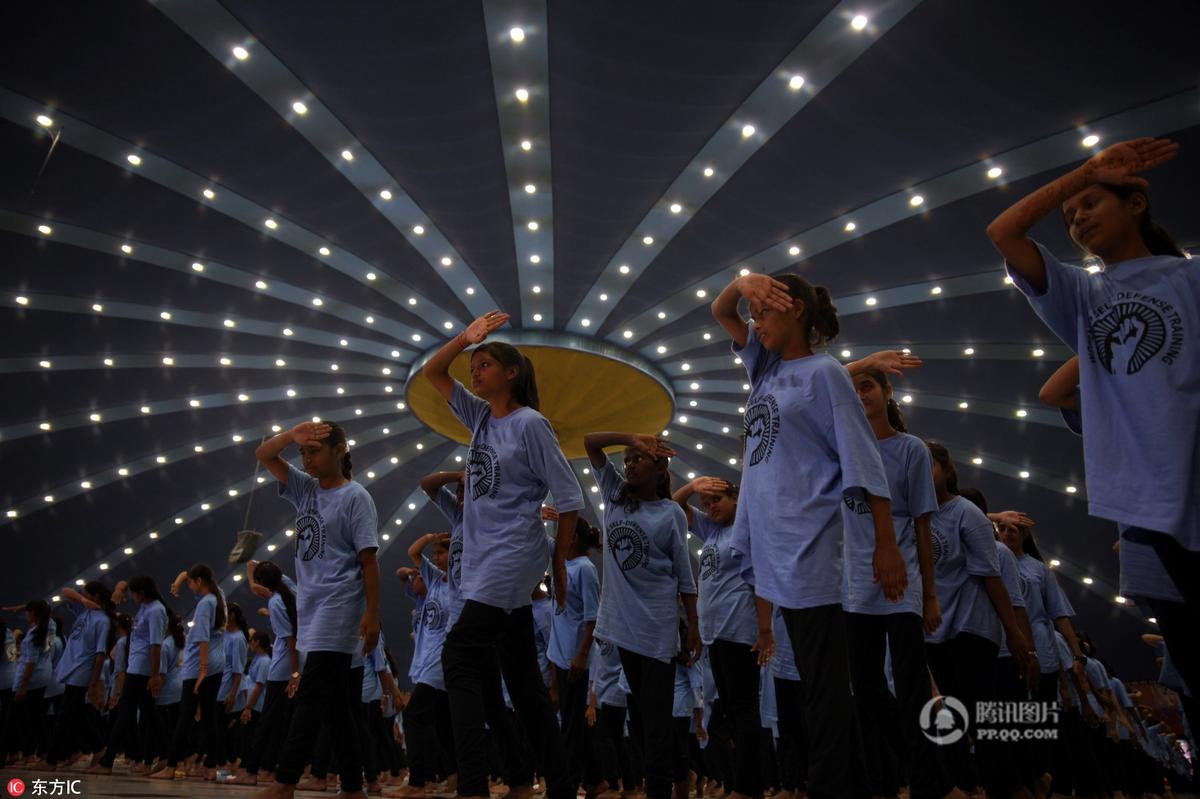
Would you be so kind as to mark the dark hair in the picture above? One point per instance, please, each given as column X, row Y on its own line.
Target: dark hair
column 102, row 596
column 237, row 615
column 588, row 535
column 820, row 320
column 41, row 615
column 976, row 496
column 894, row 416
column 393, row 666
column 269, row 576
column 202, row 573
column 263, row 640
column 942, row 456
column 524, row 386
column 335, row 439
column 124, row 624
column 144, row 584
column 662, row 489
column 174, row 628
column 1157, row 240
column 1029, row 544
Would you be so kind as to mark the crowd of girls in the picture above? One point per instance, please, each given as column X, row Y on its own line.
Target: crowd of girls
column 834, row 625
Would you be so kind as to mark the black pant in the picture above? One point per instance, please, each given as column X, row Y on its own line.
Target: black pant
column 327, row 689
column 388, row 752
column 77, row 730
column 1013, row 764
column 736, row 673
column 904, row 634
column 718, row 752
column 818, row 638
column 965, row 668
column 609, row 743
column 135, row 699
column 430, row 735
column 652, row 698
column 272, row 727
column 793, row 735
column 681, row 736
column 158, row 731
column 582, row 768
column 482, row 635
column 206, row 701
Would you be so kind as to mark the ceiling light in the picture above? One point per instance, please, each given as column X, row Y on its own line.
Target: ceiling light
column 95, row 417
column 168, row 361
column 291, row 392
column 276, row 428
column 98, row 308
column 160, row 459
column 44, row 364
column 341, row 390
column 1024, row 475
column 585, row 322
column 1008, row 281
column 317, row 301
column 532, row 225
column 845, row 353
column 333, row 367
column 516, row 34
column 1091, row 140
column 693, row 403
column 1072, row 489
column 647, row 240
column 108, row 361
column 385, row 194
column 209, row 194
column 623, row 269
column 300, row 108
column 125, row 248
column 859, row 22
column 708, row 171
column 347, row 155
column 676, row 208
column 240, row 53
column 386, row 370
column 687, row 367
column 123, row 472
column 369, row 276
column 1022, row 413
column 261, row 285
column 977, row 461
column 628, row 334
column 229, row 323
column 701, row 293
column 747, row 131
column 194, row 403
column 134, row 159
column 969, row 351
column 205, row 506
column 995, row 172
column 287, row 331
column 323, row 251
column 197, row 266
column 280, row 362
column 272, row 224
column 145, row 409
column 850, row 227
column 603, row 298
column 526, row 145
column 906, row 399
column 916, row 200
column 793, row 250
column 49, row 498
column 797, row 82
column 535, row 259
column 536, row 289
column 44, row 120
column 936, row 290
column 537, row 317
column 103, row 567
column 963, row 405
column 395, row 353
column 1152, row 620
column 1088, row 581
column 662, row 314
column 1038, row 353
column 522, row 95
column 447, row 260
column 448, row 325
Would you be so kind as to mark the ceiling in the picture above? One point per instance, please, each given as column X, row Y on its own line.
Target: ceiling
column 630, row 108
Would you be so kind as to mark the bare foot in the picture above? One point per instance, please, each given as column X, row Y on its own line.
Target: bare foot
column 276, row 790
column 406, row 792
column 244, row 779
column 595, row 791
column 165, row 773
column 98, row 769
column 311, row 784
column 519, row 792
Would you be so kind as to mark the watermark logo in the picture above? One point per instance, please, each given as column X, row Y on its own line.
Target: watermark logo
column 46, row 788
column 15, row 787
column 944, row 720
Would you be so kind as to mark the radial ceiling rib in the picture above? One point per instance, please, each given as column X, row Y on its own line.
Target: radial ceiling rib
column 219, row 32
column 831, row 47
column 1173, row 113
column 230, row 360
column 517, row 44
column 202, row 269
column 138, row 160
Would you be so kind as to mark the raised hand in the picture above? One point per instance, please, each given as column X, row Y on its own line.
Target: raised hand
column 1121, row 162
column 765, row 291
column 893, row 362
column 308, row 432
column 479, row 330
column 653, row 446
column 709, row 485
column 1013, row 517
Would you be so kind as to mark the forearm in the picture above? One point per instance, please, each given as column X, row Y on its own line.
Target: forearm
column 681, row 497
column 1023, row 624
column 925, row 557
column 595, row 443
column 1062, row 389
column 763, row 609
column 97, row 667
column 689, row 605
column 998, row 594
column 293, row 655
column 155, row 660
column 370, row 571
column 585, row 639
column 26, row 674
column 437, row 368
column 1019, row 219
column 432, row 483
column 725, row 312
column 1068, row 632
column 204, row 658
column 418, row 548
column 881, row 513
column 563, row 536
column 273, row 447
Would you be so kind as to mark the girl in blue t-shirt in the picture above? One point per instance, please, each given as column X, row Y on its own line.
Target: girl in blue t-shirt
column 647, row 574
column 514, row 462
column 237, row 647
column 337, row 571
column 79, row 669
column 32, row 675
column 876, row 627
column 143, row 672
column 257, row 682
column 160, row 725
column 203, row 664
column 446, row 490
column 809, row 449
column 729, row 623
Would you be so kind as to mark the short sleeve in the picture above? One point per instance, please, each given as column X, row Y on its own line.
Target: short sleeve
column 548, row 462
column 202, row 621
column 281, row 625
column 979, row 544
column 261, row 670
column 103, row 625
column 1010, row 575
column 853, row 441
column 1065, row 659
column 469, row 408
column 1096, row 675
column 297, row 485
column 755, row 357
column 29, row 653
column 609, row 480
column 364, row 521
column 922, row 496
column 1060, row 306
column 430, row 573
column 589, row 588
column 1057, row 604
column 447, row 502
column 680, row 561
column 702, row 526
column 156, row 624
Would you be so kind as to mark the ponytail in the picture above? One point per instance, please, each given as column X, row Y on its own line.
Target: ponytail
column 144, row 584
column 942, row 456
column 1029, row 543
column 41, row 614
column 337, row 438
column 894, row 416
column 820, row 320
column 524, row 385
column 269, row 576
column 203, row 574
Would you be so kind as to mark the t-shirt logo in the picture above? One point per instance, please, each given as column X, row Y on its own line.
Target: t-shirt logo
column 455, row 564
column 710, row 562
column 856, row 505
column 605, row 647
column 1022, row 586
column 433, row 615
column 628, row 544
column 483, row 471
column 938, row 540
column 762, row 426
column 310, row 536
column 1127, row 336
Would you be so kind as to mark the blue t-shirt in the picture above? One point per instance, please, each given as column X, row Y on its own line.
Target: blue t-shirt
column 169, row 666
column 281, row 630
column 200, row 632
column 372, row 687
column 910, row 482
column 1121, row 697
column 964, row 552
column 542, row 614
column 1134, row 326
column 783, row 664
column 121, row 655
column 1045, row 602
column 605, row 673
column 768, row 707
column 149, row 627
column 646, row 568
column 1014, row 584
column 447, row 503
column 726, row 604
column 430, row 626
column 808, row 448
column 54, row 688
column 88, row 638
column 236, row 648
column 513, row 463
column 583, row 601
column 687, row 691
column 8, row 668
column 260, row 674
column 1065, row 660
column 333, row 526
column 1097, row 677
